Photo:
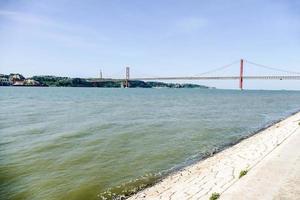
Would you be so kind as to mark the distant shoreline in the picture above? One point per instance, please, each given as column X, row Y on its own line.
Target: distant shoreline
column 18, row 80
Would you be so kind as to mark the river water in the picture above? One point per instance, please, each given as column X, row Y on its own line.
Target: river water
column 92, row 143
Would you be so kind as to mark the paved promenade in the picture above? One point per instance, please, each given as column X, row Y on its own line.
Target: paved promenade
column 271, row 156
column 275, row 177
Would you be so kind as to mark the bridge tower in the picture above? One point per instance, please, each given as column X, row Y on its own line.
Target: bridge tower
column 241, row 73
column 100, row 74
column 127, row 77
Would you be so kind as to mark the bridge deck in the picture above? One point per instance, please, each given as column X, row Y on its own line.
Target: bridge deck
column 202, row 78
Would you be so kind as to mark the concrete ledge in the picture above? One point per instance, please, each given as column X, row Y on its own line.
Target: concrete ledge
column 221, row 172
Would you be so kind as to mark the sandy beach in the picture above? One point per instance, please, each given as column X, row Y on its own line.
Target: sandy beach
column 220, row 173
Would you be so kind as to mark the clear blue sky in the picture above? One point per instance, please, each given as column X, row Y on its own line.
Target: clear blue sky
column 156, row 38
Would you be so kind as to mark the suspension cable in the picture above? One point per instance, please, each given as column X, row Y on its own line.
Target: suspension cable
column 271, row 68
column 218, row 69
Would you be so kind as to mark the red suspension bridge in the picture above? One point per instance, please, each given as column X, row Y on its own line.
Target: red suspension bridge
column 290, row 75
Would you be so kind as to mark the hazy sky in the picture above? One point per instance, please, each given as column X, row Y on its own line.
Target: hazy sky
column 155, row 37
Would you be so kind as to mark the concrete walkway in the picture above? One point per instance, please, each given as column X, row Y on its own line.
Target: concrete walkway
column 277, row 176
column 271, row 156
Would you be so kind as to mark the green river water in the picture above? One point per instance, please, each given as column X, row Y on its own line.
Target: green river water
column 92, row 143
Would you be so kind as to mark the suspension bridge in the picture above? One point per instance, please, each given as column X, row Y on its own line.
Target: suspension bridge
column 289, row 75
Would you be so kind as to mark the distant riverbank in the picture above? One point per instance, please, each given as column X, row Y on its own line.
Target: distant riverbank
column 56, row 81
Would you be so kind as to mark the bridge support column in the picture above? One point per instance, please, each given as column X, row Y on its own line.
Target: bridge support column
column 241, row 73
column 127, row 77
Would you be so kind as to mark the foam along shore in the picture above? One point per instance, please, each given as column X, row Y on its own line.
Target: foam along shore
column 219, row 173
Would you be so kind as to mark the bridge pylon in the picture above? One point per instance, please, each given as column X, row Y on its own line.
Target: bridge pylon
column 127, row 77
column 100, row 74
column 241, row 73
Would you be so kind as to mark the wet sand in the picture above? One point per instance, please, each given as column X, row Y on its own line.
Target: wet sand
column 220, row 173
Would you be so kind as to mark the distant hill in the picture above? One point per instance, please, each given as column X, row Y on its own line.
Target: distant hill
column 55, row 81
